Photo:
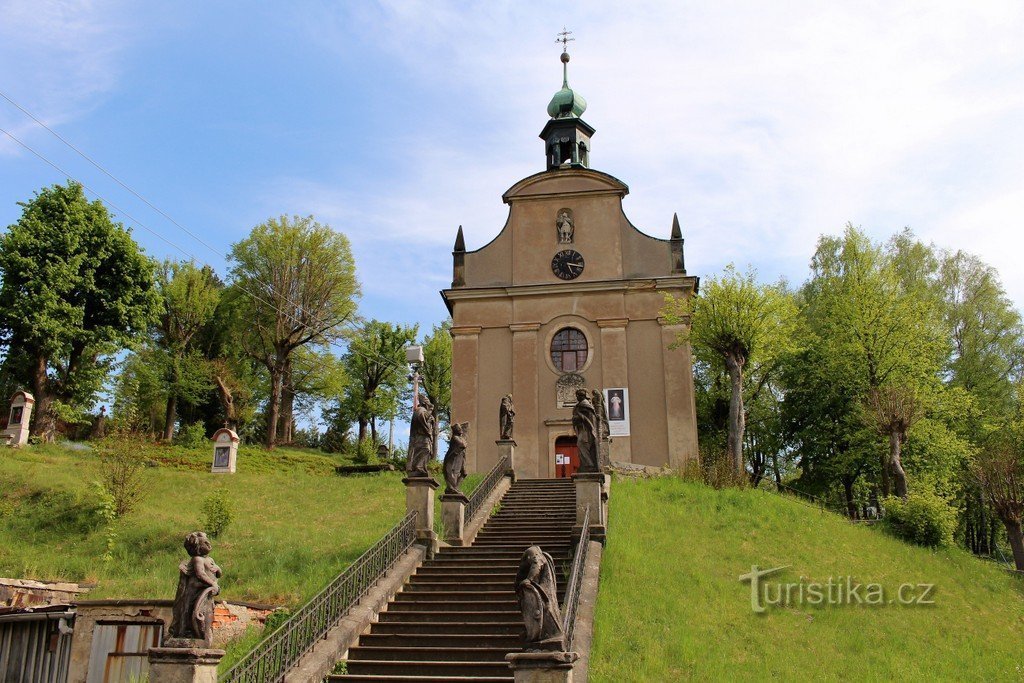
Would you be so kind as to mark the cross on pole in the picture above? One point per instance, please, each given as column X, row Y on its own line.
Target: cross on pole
column 564, row 39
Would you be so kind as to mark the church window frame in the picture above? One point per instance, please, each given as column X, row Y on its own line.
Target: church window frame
column 569, row 349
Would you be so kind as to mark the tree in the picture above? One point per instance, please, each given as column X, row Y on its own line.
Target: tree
column 893, row 409
column 76, row 289
column 190, row 296
column 297, row 283
column 1000, row 473
column 872, row 322
column 436, row 373
column 737, row 323
column 375, row 365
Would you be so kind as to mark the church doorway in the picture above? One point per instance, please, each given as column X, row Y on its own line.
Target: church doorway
column 567, row 456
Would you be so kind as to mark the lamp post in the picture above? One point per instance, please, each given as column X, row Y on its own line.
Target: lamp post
column 414, row 357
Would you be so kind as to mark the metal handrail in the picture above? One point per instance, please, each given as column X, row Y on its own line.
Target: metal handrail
column 572, row 592
column 486, row 487
column 271, row 659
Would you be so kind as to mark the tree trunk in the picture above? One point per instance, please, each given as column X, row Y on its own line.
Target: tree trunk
column 736, row 418
column 45, row 424
column 1014, row 534
column 273, row 406
column 373, row 431
column 898, row 475
column 851, row 506
column 886, row 485
column 286, row 421
column 227, row 401
column 362, row 430
column 775, row 468
column 170, row 415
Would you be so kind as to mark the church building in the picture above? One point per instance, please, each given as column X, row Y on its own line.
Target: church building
column 568, row 295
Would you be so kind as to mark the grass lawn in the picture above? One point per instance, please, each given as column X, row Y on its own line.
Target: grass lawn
column 296, row 523
column 671, row 606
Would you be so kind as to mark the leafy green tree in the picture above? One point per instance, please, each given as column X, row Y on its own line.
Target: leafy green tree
column 76, row 290
column 741, row 325
column 190, row 296
column 295, row 281
column 875, row 332
column 436, row 375
column 375, row 365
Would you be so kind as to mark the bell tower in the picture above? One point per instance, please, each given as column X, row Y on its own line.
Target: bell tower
column 566, row 136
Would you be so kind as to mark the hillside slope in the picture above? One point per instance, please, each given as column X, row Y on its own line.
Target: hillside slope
column 671, row 606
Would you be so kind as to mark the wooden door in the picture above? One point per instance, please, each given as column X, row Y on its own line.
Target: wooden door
column 567, row 456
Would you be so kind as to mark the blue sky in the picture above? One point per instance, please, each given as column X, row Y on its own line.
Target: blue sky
column 762, row 124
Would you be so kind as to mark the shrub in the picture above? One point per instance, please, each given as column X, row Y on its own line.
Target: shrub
column 366, row 452
column 219, row 512
column 121, row 473
column 275, row 619
column 923, row 518
column 191, row 436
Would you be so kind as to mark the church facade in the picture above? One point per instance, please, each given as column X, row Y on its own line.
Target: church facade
column 568, row 295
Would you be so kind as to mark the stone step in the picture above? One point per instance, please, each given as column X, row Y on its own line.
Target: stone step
column 437, row 640
column 489, row 552
column 452, row 669
column 443, row 653
column 341, row 678
column 419, row 604
column 510, row 616
column 448, row 626
column 471, row 594
column 450, row 589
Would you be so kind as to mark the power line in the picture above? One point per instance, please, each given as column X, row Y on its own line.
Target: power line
column 191, row 256
column 110, row 175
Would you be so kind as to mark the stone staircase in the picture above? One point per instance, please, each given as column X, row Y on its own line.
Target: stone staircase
column 457, row 617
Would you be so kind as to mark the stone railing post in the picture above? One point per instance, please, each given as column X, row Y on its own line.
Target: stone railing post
column 180, row 662
column 419, row 498
column 507, row 447
column 453, row 515
column 590, row 493
column 542, row 667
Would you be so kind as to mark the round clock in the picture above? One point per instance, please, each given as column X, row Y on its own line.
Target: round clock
column 567, row 264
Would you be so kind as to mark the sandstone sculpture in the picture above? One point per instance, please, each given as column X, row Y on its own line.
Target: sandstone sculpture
column 585, row 423
column 537, row 591
column 421, row 438
column 192, row 616
column 506, row 417
column 455, row 458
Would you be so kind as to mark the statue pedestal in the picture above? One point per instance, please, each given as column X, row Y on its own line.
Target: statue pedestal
column 185, row 663
column 590, row 492
column 604, row 449
column 542, row 667
column 419, row 498
column 453, row 516
column 508, row 447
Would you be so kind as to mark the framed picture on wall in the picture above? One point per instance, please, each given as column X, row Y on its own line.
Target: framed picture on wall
column 616, row 402
column 222, row 457
column 16, row 414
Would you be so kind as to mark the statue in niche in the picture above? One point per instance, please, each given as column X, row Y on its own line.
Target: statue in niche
column 455, row 458
column 584, row 422
column 421, row 438
column 565, row 226
column 537, row 591
column 506, row 417
column 192, row 615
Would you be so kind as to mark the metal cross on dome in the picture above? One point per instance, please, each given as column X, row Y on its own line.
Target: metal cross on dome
column 564, row 39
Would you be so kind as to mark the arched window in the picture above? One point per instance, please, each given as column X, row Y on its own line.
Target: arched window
column 569, row 350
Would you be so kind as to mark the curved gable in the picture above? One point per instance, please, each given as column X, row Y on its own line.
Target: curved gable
column 565, row 182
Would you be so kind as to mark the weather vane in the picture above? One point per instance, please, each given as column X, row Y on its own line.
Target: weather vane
column 564, row 39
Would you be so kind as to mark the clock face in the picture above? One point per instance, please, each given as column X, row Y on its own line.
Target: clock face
column 567, row 264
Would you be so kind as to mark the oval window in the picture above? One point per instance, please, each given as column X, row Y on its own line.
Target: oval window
column 569, row 350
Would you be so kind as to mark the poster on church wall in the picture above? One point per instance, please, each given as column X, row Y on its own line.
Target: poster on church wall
column 616, row 402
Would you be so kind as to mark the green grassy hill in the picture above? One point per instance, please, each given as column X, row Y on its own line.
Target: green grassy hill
column 296, row 523
column 671, row 606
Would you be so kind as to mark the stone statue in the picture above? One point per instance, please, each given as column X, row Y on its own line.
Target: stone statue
column 455, row 458
column 506, row 417
column 421, row 438
column 584, row 422
column 192, row 616
column 537, row 591
column 565, row 227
